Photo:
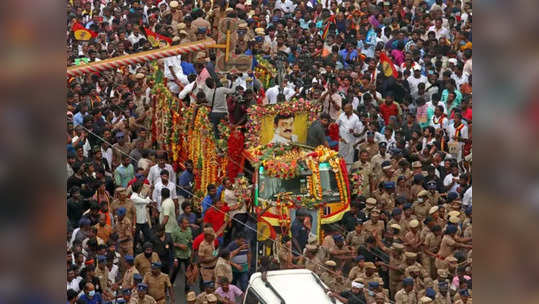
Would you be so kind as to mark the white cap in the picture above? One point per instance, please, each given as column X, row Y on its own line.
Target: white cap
column 357, row 284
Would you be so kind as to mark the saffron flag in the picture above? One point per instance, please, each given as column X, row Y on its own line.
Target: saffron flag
column 154, row 38
column 82, row 33
column 387, row 66
column 330, row 20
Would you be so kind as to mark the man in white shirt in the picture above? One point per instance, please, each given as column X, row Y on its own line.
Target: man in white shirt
column 438, row 30
column 458, row 132
column 350, row 128
column 273, row 92
column 140, row 203
column 135, row 36
column 451, row 180
column 163, row 183
column 467, row 197
column 415, row 79
column 286, row 6
column 174, row 73
column 155, row 170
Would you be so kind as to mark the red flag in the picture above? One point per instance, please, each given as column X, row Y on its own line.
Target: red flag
column 154, row 38
column 82, row 33
column 330, row 20
column 387, row 66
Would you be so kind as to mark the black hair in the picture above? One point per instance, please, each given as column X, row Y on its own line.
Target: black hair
column 165, row 193
column 282, row 116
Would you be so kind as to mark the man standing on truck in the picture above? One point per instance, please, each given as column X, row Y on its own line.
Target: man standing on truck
column 316, row 135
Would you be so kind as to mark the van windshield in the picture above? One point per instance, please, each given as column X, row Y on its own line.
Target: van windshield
column 270, row 187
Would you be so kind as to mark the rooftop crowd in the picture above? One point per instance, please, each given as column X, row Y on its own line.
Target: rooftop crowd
column 405, row 132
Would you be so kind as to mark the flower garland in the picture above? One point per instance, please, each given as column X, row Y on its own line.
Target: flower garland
column 264, row 71
column 257, row 112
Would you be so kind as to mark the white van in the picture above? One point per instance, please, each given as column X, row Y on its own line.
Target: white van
column 292, row 286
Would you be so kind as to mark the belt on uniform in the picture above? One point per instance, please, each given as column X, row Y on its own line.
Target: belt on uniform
column 207, row 267
column 157, row 300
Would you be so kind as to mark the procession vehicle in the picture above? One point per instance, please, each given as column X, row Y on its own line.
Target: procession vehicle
column 295, row 178
column 287, row 286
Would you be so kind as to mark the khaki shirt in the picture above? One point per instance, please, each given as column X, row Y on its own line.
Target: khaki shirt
column 400, row 263
column 130, row 211
column 202, row 298
column 223, row 269
column 124, row 229
column 402, row 297
column 364, row 279
column 146, row 300
column 376, row 163
column 366, row 173
column 207, row 270
column 157, row 285
column 355, row 239
column 102, row 276
column 355, row 272
column 432, row 242
column 421, row 210
column 446, row 246
column 388, row 201
column 369, row 227
column 127, row 281
column 144, row 265
column 371, row 148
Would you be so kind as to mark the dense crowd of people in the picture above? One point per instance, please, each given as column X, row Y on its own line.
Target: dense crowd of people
column 403, row 126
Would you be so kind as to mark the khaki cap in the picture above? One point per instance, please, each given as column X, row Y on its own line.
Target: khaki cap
column 175, row 38
column 181, row 26
column 423, row 193
column 395, row 226
column 174, row 4
column 413, row 268
column 442, row 273
column 370, row 265
column 183, row 32
column 413, row 223
column 451, row 259
column 259, row 31
column 139, row 76
column 311, row 247
column 375, row 211
column 228, row 10
column 397, row 246
column 242, row 25
column 454, row 219
column 330, row 263
column 453, row 213
column 433, row 209
column 417, row 164
column 425, row 300
column 371, row 201
column 411, row 255
column 191, row 296
column 211, row 298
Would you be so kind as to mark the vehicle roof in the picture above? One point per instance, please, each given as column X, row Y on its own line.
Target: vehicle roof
column 294, row 286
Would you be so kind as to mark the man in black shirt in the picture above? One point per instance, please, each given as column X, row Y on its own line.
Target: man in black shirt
column 316, row 135
column 353, row 296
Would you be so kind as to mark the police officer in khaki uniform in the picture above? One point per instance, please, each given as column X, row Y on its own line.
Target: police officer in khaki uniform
column 127, row 280
column 363, row 168
column 370, row 146
column 379, row 158
column 328, row 274
column 374, row 223
column 396, row 221
column 312, row 260
column 158, row 284
column 407, row 294
column 373, row 289
column 387, row 199
column 411, row 260
column 431, row 245
column 207, row 255
column 124, row 230
column 142, row 297
column 465, row 297
column 358, row 269
column 370, row 274
column 102, row 274
column 422, row 207
column 206, row 295
column 442, row 276
column 144, row 260
column 388, row 173
column 411, row 237
column 356, row 237
column 442, row 294
column 123, row 201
